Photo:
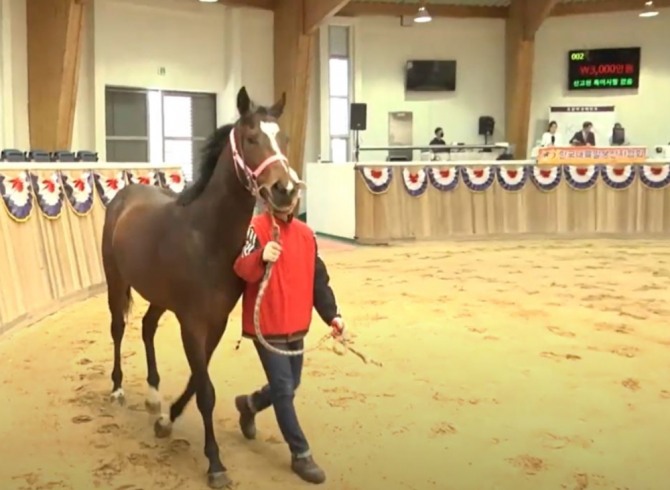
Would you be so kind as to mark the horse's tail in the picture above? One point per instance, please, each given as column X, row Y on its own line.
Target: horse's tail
column 128, row 304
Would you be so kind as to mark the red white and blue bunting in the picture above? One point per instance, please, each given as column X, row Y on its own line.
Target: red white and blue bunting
column 49, row 194
column 49, row 191
column 618, row 176
column 514, row 178
column 414, row 180
column 377, row 180
column 478, row 179
column 443, row 178
column 17, row 195
column 173, row 180
column 581, row 178
column 144, row 177
column 655, row 177
column 78, row 191
column 108, row 184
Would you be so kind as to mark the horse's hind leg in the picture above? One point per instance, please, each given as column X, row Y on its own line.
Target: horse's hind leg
column 149, row 327
column 119, row 301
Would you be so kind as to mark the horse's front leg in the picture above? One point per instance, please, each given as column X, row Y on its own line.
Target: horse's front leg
column 199, row 344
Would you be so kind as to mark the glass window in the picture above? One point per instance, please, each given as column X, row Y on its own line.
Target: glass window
column 127, row 151
column 177, row 116
column 180, row 152
column 155, row 127
column 126, row 113
column 204, row 115
column 339, row 116
column 339, row 150
column 338, row 75
column 338, row 40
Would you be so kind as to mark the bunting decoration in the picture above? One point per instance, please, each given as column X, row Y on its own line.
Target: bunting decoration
column 512, row 179
column 144, row 177
column 109, row 185
column 443, row 179
column 17, row 195
column 546, row 179
column 49, row 194
column 477, row 179
column 655, row 176
column 618, row 176
column 79, row 191
column 415, row 181
column 172, row 179
column 581, row 178
column 377, row 180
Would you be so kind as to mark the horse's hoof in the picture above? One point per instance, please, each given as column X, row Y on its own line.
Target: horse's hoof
column 152, row 407
column 118, row 396
column 163, row 427
column 219, row 480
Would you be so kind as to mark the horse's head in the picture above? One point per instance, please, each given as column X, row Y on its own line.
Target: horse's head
column 262, row 149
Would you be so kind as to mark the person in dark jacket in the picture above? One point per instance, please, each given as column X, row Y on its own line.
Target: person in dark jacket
column 299, row 282
column 585, row 137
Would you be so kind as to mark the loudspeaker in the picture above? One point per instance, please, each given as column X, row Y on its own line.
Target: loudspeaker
column 486, row 125
column 358, row 116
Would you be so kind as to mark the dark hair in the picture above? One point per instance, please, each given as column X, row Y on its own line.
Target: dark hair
column 438, row 130
column 551, row 123
column 587, row 124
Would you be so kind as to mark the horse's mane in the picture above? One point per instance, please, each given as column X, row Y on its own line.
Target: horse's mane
column 210, row 154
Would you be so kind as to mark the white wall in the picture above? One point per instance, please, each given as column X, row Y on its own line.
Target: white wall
column 199, row 45
column 645, row 113
column 381, row 49
column 13, row 75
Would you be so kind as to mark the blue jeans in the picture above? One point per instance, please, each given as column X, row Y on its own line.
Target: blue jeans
column 283, row 374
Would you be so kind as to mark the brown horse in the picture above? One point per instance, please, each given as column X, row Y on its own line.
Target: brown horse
column 177, row 252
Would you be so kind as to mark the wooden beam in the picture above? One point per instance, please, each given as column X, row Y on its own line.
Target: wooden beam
column 254, row 4
column 603, row 7
column 319, row 11
column 54, row 45
column 525, row 18
column 437, row 10
column 294, row 56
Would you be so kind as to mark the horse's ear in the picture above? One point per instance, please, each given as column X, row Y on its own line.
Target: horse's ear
column 243, row 102
column 278, row 109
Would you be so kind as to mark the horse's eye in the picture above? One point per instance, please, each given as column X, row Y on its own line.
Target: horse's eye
column 252, row 140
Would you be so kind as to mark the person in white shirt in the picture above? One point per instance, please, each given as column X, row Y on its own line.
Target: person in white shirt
column 551, row 137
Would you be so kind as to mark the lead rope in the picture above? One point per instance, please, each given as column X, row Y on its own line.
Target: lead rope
column 292, row 353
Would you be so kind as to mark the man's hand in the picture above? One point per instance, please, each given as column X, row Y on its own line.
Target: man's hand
column 271, row 252
column 338, row 327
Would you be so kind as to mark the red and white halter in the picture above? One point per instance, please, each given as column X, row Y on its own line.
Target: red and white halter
column 253, row 174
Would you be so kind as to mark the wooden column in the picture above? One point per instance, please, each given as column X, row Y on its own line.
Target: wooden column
column 524, row 19
column 296, row 23
column 54, row 46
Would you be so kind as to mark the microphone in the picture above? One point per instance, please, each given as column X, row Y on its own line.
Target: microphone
column 553, row 139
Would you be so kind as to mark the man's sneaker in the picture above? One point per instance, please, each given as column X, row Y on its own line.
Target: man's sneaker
column 247, row 416
column 308, row 470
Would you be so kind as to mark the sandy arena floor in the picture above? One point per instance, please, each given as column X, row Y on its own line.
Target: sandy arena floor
column 507, row 365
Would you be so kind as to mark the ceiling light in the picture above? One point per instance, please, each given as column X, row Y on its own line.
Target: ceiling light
column 208, row 1
column 422, row 16
column 649, row 10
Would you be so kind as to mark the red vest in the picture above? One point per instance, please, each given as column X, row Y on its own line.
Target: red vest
column 286, row 306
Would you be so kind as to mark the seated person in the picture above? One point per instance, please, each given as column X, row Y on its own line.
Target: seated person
column 551, row 137
column 438, row 140
column 585, row 137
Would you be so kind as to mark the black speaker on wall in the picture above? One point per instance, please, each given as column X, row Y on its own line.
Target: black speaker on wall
column 486, row 125
column 358, row 116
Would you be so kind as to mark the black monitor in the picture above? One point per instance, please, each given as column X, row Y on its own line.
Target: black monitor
column 618, row 136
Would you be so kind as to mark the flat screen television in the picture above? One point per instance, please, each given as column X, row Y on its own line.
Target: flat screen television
column 430, row 76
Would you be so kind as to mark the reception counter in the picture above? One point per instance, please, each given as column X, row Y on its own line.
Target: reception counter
column 390, row 201
column 51, row 226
